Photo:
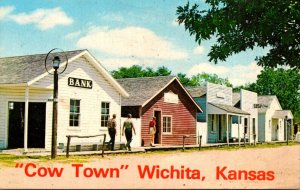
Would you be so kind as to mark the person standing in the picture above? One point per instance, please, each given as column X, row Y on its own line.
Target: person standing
column 127, row 128
column 152, row 130
column 112, row 124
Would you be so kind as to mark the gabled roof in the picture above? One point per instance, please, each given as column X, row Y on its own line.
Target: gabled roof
column 229, row 109
column 281, row 114
column 266, row 101
column 26, row 70
column 22, row 69
column 236, row 97
column 196, row 91
column 142, row 90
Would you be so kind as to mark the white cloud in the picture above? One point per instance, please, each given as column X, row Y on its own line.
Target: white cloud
column 5, row 11
column 44, row 18
column 208, row 68
column 131, row 42
column 73, row 35
column 199, row 50
column 236, row 74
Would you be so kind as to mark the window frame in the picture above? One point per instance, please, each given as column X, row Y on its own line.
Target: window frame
column 165, row 127
column 104, row 121
column 212, row 123
column 72, row 113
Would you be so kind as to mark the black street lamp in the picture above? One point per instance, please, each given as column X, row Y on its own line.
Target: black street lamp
column 55, row 64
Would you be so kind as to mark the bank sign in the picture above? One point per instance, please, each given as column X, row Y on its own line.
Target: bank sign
column 81, row 83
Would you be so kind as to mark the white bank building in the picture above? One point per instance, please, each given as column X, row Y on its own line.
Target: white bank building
column 87, row 96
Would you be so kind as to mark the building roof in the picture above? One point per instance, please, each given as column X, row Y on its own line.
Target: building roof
column 281, row 114
column 265, row 102
column 236, row 97
column 22, row 69
column 142, row 90
column 229, row 109
column 26, row 70
column 196, row 91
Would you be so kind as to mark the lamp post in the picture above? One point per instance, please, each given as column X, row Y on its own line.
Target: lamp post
column 55, row 65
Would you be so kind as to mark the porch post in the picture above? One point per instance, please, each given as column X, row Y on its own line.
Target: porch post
column 120, row 103
column 239, row 139
column 227, row 132
column 292, row 129
column 249, row 130
column 26, row 118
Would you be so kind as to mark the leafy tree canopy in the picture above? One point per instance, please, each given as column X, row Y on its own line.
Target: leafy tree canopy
column 136, row 71
column 239, row 25
column 201, row 79
column 285, row 84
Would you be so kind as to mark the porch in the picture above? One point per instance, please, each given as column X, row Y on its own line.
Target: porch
column 220, row 124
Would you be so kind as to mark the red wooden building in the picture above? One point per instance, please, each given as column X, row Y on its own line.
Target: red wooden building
column 167, row 100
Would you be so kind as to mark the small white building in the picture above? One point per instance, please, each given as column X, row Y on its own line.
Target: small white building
column 87, row 96
column 272, row 120
column 248, row 126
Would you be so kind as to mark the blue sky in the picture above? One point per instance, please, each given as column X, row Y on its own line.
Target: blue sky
column 118, row 33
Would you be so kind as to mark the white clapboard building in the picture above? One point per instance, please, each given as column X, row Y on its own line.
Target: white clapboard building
column 87, row 96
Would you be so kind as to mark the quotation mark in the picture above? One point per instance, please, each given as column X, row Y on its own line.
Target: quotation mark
column 126, row 167
column 19, row 165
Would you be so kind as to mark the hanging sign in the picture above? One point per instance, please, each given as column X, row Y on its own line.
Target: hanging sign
column 82, row 83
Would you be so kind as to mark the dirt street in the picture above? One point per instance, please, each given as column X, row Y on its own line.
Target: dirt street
column 243, row 168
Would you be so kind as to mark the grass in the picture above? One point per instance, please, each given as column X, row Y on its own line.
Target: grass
column 10, row 160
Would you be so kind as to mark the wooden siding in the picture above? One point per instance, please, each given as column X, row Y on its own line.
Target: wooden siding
column 201, row 116
column 183, row 117
column 90, row 105
column 269, row 121
column 248, row 99
column 215, row 90
column 18, row 95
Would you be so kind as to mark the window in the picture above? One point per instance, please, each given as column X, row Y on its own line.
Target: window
column 212, row 122
column 104, row 113
column 167, row 124
column 245, row 125
column 74, row 113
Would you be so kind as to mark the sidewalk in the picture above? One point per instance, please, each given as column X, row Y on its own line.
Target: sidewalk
column 60, row 152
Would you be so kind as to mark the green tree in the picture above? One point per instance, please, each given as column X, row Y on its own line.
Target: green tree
column 239, row 25
column 185, row 81
column 201, row 79
column 136, row 71
column 285, row 84
column 163, row 71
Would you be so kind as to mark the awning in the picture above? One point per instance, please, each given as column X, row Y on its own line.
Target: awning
column 281, row 114
column 214, row 108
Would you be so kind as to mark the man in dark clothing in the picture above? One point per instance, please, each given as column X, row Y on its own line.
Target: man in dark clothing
column 127, row 128
column 112, row 131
